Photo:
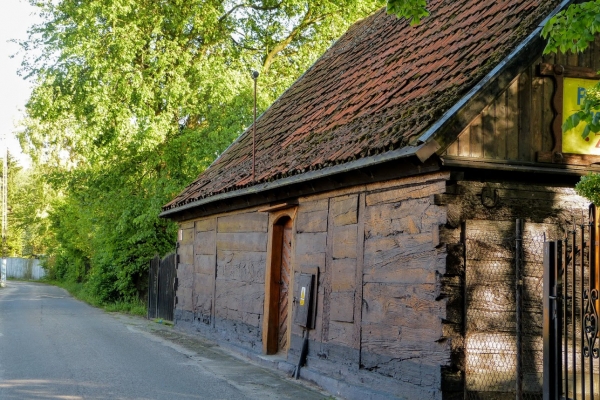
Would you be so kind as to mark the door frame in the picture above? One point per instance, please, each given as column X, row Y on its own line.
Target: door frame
column 271, row 304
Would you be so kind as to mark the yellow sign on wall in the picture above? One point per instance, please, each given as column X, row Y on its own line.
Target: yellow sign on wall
column 573, row 95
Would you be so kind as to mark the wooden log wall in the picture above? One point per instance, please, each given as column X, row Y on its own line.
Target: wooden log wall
column 240, row 280
column 221, row 276
column 517, row 125
column 380, row 306
column 205, row 245
column 478, row 233
column 402, row 331
column 393, row 265
column 379, row 313
column 185, row 271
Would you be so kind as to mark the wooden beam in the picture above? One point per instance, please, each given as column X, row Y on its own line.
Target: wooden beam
column 327, row 277
column 280, row 206
column 527, row 167
column 358, row 291
column 567, row 158
column 213, row 309
column 289, row 189
column 569, row 71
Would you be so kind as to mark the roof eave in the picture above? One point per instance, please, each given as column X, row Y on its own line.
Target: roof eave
column 422, row 151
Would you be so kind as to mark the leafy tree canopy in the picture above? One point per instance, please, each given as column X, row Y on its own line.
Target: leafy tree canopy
column 123, row 76
column 132, row 99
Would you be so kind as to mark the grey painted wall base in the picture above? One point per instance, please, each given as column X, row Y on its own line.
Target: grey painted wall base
column 347, row 380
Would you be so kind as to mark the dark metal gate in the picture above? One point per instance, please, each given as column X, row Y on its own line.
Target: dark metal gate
column 161, row 287
column 570, row 314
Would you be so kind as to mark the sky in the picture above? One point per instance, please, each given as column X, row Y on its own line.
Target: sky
column 15, row 19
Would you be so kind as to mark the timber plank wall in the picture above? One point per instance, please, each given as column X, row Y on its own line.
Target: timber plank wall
column 517, row 124
column 222, row 261
column 395, row 265
column 380, row 310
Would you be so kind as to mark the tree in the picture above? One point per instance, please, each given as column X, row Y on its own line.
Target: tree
column 27, row 199
column 14, row 237
column 117, row 75
column 133, row 99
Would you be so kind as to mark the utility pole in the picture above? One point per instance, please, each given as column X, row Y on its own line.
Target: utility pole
column 254, row 77
column 4, row 210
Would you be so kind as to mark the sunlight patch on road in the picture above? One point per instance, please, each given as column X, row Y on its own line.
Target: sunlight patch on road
column 43, row 388
column 38, row 298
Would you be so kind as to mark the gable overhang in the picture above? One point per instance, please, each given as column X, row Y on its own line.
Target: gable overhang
column 446, row 130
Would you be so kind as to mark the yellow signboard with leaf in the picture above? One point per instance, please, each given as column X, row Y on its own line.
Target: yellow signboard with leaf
column 573, row 140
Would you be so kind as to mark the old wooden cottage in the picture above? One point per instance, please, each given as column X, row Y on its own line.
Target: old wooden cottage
column 375, row 214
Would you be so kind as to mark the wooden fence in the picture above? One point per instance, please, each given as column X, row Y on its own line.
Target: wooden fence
column 161, row 287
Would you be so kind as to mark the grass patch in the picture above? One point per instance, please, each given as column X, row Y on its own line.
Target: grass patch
column 79, row 291
column 134, row 308
column 163, row 322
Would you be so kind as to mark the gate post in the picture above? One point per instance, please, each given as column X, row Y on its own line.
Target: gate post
column 552, row 384
column 519, row 291
column 153, row 287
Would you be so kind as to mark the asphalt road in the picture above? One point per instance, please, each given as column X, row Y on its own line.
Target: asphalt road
column 55, row 347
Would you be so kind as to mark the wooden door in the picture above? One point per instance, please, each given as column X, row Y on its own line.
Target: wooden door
column 284, row 283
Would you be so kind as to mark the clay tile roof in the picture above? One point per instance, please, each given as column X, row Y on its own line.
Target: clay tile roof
column 375, row 90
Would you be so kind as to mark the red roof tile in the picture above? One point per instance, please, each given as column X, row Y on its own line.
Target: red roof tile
column 376, row 89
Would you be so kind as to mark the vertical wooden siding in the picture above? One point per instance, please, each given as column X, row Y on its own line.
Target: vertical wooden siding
column 516, row 125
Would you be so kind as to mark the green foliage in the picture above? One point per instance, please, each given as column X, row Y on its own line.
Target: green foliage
column 132, row 100
column 574, row 28
column 413, row 10
column 589, row 187
column 28, row 197
column 14, row 239
column 82, row 292
column 25, row 227
column 135, row 307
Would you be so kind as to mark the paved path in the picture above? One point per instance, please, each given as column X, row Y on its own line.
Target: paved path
column 55, row 347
